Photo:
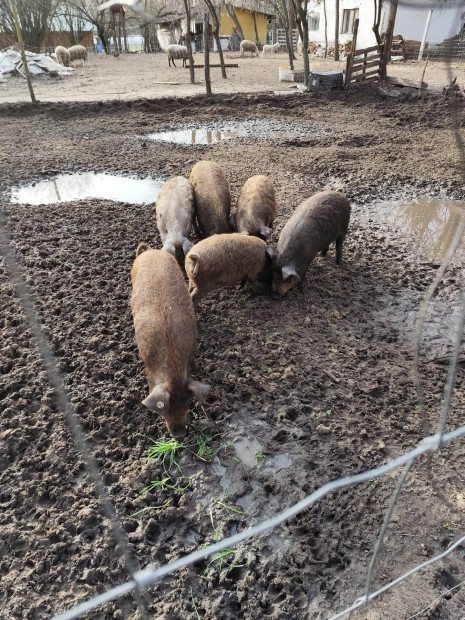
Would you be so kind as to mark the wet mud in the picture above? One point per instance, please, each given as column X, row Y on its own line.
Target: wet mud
column 305, row 390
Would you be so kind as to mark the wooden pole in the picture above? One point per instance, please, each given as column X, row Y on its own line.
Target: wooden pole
column 336, row 33
column 351, row 56
column 206, row 52
column 19, row 35
column 386, row 50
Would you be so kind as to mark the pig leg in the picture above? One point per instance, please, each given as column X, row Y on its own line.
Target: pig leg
column 186, row 246
column 195, row 296
column 339, row 242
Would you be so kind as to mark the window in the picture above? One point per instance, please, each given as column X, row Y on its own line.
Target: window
column 313, row 21
column 348, row 20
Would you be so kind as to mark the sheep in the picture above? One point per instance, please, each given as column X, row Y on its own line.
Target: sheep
column 317, row 222
column 270, row 48
column 77, row 52
column 62, row 55
column 256, row 208
column 178, row 52
column 175, row 211
column 212, row 199
column 166, row 335
column 248, row 46
column 224, row 260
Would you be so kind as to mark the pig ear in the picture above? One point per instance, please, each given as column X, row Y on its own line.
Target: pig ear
column 271, row 252
column 289, row 272
column 265, row 232
column 142, row 247
column 158, row 400
column 198, row 390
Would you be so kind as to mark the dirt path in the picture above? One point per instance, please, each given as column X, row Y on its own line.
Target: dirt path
column 147, row 76
column 304, row 390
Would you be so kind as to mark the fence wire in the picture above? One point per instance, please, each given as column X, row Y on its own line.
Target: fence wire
column 139, row 580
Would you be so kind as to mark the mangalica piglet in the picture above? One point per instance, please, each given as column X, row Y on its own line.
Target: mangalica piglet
column 175, row 210
column 224, row 260
column 212, row 199
column 314, row 225
column 256, row 208
column 165, row 328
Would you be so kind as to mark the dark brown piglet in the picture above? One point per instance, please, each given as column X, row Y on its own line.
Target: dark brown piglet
column 212, row 199
column 224, row 260
column 314, row 225
column 175, row 211
column 256, row 208
column 165, row 328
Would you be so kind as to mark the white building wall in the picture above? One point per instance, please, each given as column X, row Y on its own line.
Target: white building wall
column 366, row 10
column 445, row 23
column 410, row 22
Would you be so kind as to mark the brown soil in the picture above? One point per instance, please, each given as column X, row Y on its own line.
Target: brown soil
column 318, row 379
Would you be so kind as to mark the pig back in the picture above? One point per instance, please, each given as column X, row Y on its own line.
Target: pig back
column 175, row 209
column 316, row 222
column 256, row 204
column 164, row 318
column 212, row 198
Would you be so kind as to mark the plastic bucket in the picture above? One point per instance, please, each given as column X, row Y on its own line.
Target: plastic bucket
column 284, row 73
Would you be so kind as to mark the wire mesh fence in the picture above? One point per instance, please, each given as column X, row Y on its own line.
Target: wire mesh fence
column 140, row 580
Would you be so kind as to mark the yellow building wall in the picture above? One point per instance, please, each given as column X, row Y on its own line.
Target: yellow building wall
column 246, row 21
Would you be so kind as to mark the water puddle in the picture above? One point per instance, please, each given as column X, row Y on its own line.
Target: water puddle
column 193, row 136
column 253, row 129
column 277, row 462
column 246, row 451
column 431, row 221
column 89, row 185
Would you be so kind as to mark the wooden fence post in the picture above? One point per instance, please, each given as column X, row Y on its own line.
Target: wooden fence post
column 351, row 56
column 19, row 34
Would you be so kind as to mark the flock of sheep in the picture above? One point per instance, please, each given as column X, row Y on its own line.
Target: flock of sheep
column 65, row 56
column 180, row 52
column 232, row 250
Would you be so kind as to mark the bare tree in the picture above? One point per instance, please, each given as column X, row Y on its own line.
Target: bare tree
column 71, row 23
column 282, row 10
column 336, row 33
column 301, row 18
column 377, row 20
column 206, row 53
column 232, row 14
column 187, row 10
column 216, row 34
column 35, row 19
column 87, row 10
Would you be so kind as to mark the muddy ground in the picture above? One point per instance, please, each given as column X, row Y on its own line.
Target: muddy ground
column 304, row 390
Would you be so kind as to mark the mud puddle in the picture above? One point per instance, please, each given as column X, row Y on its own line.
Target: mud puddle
column 256, row 129
column 67, row 187
column 431, row 222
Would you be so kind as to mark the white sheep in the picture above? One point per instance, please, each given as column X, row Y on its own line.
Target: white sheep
column 62, row 55
column 248, row 46
column 270, row 48
column 178, row 52
column 77, row 52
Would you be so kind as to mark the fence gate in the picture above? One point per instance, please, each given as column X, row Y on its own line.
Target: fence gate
column 370, row 63
column 281, row 38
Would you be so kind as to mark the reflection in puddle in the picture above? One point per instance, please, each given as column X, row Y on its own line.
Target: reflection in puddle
column 67, row 187
column 193, row 136
column 432, row 222
column 253, row 129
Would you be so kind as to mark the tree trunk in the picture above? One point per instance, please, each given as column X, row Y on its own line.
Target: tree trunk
column 336, row 33
column 188, row 40
column 377, row 20
column 326, row 28
column 206, row 53
column 19, row 35
column 257, row 40
column 232, row 14
column 216, row 34
column 103, row 38
column 125, row 36
column 290, row 29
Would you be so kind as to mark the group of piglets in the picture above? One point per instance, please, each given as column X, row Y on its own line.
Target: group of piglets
column 163, row 307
